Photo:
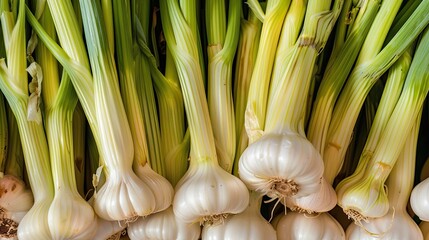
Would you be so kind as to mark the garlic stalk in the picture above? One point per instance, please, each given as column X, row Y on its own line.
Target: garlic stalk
column 222, row 36
column 250, row 30
column 396, row 224
column 269, row 164
column 424, row 227
column 4, row 135
column 163, row 225
column 366, row 197
column 206, row 193
column 129, row 64
column 321, row 226
column 249, row 224
column 105, row 113
column 14, row 85
column 69, row 216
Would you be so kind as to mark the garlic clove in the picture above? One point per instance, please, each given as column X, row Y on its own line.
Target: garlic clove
column 392, row 226
column 296, row 226
column 70, row 216
column 160, row 186
column 15, row 199
column 323, row 200
column 163, row 225
column 124, row 197
column 207, row 194
column 419, row 200
column 282, row 165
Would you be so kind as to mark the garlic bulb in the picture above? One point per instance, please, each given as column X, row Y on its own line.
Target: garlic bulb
column 123, row 195
column 295, row 226
column 161, row 187
column 30, row 226
column 207, row 194
column 70, row 216
column 246, row 225
column 322, row 201
column 108, row 229
column 282, row 165
column 420, row 201
column 366, row 198
column 395, row 225
column 163, row 225
column 15, row 201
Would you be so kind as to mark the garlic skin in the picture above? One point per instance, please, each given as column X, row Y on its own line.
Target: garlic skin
column 282, row 165
column 70, row 216
column 322, row 201
column 296, row 226
column 249, row 225
column 161, row 188
column 123, row 197
column 163, row 225
column 395, row 225
column 364, row 199
column 419, row 200
column 207, row 194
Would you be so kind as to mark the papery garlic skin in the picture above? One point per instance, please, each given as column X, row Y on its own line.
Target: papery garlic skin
column 419, row 200
column 282, row 165
column 161, row 188
column 248, row 225
column 124, row 197
column 71, row 217
column 207, row 194
column 392, row 226
column 299, row 226
column 322, row 201
column 163, row 225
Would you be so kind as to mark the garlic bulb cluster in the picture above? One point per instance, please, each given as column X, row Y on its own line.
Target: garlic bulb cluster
column 420, row 201
column 249, row 224
column 15, row 201
column 395, row 225
column 207, row 194
column 160, row 186
column 296, row 226
column 163, row 225
column 282, row 165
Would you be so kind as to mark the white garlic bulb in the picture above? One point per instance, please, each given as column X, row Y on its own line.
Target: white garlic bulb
column 207, row 194
column 123, row 197
column 161, row 187
column 282, row 165
column 395, row 225
column 247, row 225
column 296, row 226
column 163, row 225
column 420, row 200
